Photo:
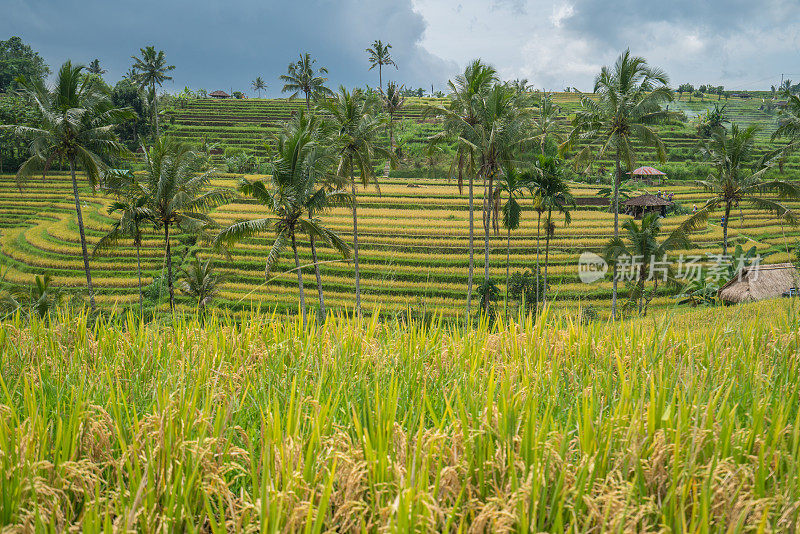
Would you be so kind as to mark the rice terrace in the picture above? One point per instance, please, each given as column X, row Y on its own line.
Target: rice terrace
column 399, row 287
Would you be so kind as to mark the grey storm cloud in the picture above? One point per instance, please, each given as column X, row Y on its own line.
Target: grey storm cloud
column 225, row 45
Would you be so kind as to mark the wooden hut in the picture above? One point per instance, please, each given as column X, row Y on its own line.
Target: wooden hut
column 761, row 282
column 643, row 204
column 219, row 94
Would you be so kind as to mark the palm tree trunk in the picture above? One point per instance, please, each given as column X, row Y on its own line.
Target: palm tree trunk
column 380, row 76
column 546, row 253
column 487, row 222
column 82, row 232
column 139, row 273
column 316, row 273
column 169, row 269
column 155, row 109
column 391, row 149
column 308, row 102
column 299, row 279
column 355, row 246
column 617, row 180
column 471, row 243
column 538, row 228
column 508, row 267
column 725, row 229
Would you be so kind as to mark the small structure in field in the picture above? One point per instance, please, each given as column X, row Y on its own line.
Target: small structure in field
column 647, row 174
column 219, row 94
column 760, row 282
column 644, row 204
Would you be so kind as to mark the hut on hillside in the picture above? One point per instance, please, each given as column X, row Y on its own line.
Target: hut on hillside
column 219, row 94
column 644, row 204
column 648, row 175
column 761, row 282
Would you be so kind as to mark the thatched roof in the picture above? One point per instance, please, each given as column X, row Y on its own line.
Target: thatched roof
column 219, row 94
column 647, row 200
column 760, row 282
column 647, row 171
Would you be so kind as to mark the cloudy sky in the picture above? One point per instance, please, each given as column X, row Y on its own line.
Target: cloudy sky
column 553, row 43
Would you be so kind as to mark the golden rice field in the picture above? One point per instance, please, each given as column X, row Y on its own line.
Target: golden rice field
column 685, row 423
column 414, row 244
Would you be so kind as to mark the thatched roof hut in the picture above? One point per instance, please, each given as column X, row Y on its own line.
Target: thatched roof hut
column 760, row 282
column 219, row 94
column 638, row 206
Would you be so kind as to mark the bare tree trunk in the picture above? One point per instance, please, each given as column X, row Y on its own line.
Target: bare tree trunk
column 508, row 267
column 617, row 180
column 725, row 229
column 299, row 279
column 82, row 232
column 487, row 222
column 155, row 109
column 355, row 246
column 546, row 253
column 139, row 272
column 471, row 244
column 169, row 269
column 317, row 274
column 538, row 228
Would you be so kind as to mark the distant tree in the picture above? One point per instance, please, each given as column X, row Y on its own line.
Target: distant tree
column 379, row 55
column 789, row 124
column 150, row 69
column 40, row 300
column 18, row 59
column 711, row 120
column 95, row 68
column 393, row 102
column 302, row 78
column 78, row 122
column 238, row 95
column 14, row 109
column 545, row 122
column 259, row 85
column 127, row 95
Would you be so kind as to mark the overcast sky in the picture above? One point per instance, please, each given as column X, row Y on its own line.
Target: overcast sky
column 744, row 44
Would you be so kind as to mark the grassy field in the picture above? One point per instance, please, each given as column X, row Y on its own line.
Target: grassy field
column 687, row 423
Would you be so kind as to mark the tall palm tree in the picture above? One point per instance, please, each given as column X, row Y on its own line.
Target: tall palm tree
column 301, row 78
column 132, row 205
column 460, row 114
column 151, row 69
column 379, row 56
column 77, row 126
column 789, row 123
column 731, row 181
column 95, row 68
column 629, row 100
column 552, row 193
column 177, row 182
column 259, row 85
column 291, row 192
column 512, row 184
column 393, row 102
column 643, row 245
column 355, row 128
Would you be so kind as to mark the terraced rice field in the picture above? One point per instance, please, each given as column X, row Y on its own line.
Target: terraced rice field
column 413, row 257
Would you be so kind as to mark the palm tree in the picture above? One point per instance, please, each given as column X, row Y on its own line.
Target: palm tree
column 379, row 56
column 200, row 281
column 176, row 182
column 789, row 123
column 643, row 245
column 132, row 205
column 731, row 182
column 460, row 114
column 545, row 122
column 292, row 191
column 393, row 102
column 512, row 184
column 355, row 128
column 77, row 126
column 552, row 193
column 151, row 70
column 630, row 96
column 95, row 68
column 259, row 85
column 301, row 78
column 40, row 299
